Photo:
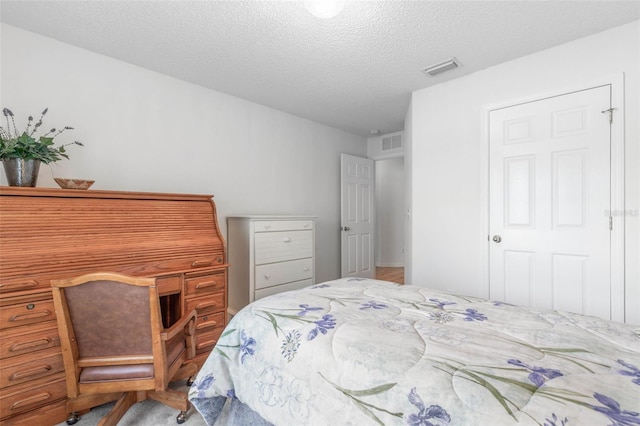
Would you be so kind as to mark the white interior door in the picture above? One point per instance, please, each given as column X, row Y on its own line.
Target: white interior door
column 357, row 216
column 550, row 239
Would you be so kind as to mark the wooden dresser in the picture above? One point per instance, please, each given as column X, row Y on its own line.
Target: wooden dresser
column 269, row 255
column 47, row 234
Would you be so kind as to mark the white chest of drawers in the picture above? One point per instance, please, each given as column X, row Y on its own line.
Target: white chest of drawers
column 268, row 255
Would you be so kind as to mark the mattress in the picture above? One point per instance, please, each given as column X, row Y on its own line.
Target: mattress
column 360, row 351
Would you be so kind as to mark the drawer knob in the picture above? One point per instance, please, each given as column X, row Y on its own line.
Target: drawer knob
column 267, row 276
column 286, row 240
column 306, row 269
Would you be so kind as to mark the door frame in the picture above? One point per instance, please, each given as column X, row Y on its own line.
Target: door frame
column 616, row 81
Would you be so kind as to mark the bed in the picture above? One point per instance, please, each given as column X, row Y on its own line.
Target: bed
column 360, row 351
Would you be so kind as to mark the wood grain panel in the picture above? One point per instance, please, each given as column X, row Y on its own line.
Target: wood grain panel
column 64, row 232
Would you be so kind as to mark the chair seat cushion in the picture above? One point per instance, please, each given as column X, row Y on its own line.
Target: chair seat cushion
column 116, row 372
column 174, row 348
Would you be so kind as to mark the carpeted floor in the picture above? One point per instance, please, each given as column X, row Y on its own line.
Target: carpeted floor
column 146, row 413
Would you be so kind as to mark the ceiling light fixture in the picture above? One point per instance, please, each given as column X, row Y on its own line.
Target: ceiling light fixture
column 324, row 9
column 441, row 67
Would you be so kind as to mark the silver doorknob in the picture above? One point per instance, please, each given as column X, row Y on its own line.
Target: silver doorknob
column 497, row 238
column 346, row 228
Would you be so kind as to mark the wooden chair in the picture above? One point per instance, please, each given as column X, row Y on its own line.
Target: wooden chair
column 114, row 345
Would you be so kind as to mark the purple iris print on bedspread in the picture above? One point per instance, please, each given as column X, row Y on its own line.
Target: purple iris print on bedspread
column 556, row 421
column 633, row 371
column 474, row 315
column 539, row 375
column 306, row 309
column 433, row 415
column 441, row 303
column 616, row 414
column 323, row 326
column 373, row 305
column 203, row 384
column 247, row 347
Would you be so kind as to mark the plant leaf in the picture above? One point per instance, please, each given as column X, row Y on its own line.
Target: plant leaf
column 274, row 322
column 494, row 391
column 222, row 353
column 366, row 411
column 372, row 391
column 228, row 332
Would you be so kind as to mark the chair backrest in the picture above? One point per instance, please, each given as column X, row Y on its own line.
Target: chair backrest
column 110, row 324
column 110, row 318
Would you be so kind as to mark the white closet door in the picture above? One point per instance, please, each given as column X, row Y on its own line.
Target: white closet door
column 550, row 203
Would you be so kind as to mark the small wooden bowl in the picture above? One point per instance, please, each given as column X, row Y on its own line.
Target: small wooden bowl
column 74, row 183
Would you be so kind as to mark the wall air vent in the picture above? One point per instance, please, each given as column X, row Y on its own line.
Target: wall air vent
column 436, row 69
column 392, row 142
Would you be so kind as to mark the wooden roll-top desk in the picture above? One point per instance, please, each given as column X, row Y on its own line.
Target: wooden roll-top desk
column 48, row 234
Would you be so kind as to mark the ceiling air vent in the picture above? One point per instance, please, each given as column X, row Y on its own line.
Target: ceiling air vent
column 392, row 142
column 436, row 69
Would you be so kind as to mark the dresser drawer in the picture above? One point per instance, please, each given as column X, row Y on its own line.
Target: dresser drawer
column 282, row 225
column 208, row 331
column 273, row 247
column 27, row 313
column 283, row 272
column 169, row 285
column 29, row 396
column 21, row 340
column 205, row 284
column 10, row 285
column 26, row 368
column 206, row 304
column 280, row 288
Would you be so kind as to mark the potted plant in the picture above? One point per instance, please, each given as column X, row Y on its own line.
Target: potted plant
column 22, row 152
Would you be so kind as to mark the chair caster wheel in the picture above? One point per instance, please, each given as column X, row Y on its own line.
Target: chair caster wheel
column 182, row 417
column 190, row 381
column 73, row 418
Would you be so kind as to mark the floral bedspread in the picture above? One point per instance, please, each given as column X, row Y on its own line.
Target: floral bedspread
column 358, row 352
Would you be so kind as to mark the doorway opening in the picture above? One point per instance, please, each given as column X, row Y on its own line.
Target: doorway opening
column 390, row 205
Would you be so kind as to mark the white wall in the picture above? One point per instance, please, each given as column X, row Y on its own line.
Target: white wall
column 390, row 212
column 144, row 131
column 448, row 248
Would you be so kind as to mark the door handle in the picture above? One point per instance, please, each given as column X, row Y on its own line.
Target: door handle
column 346, row 228
column 497, row 238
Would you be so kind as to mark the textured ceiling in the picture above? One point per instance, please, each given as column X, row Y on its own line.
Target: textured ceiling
column 354, row 72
